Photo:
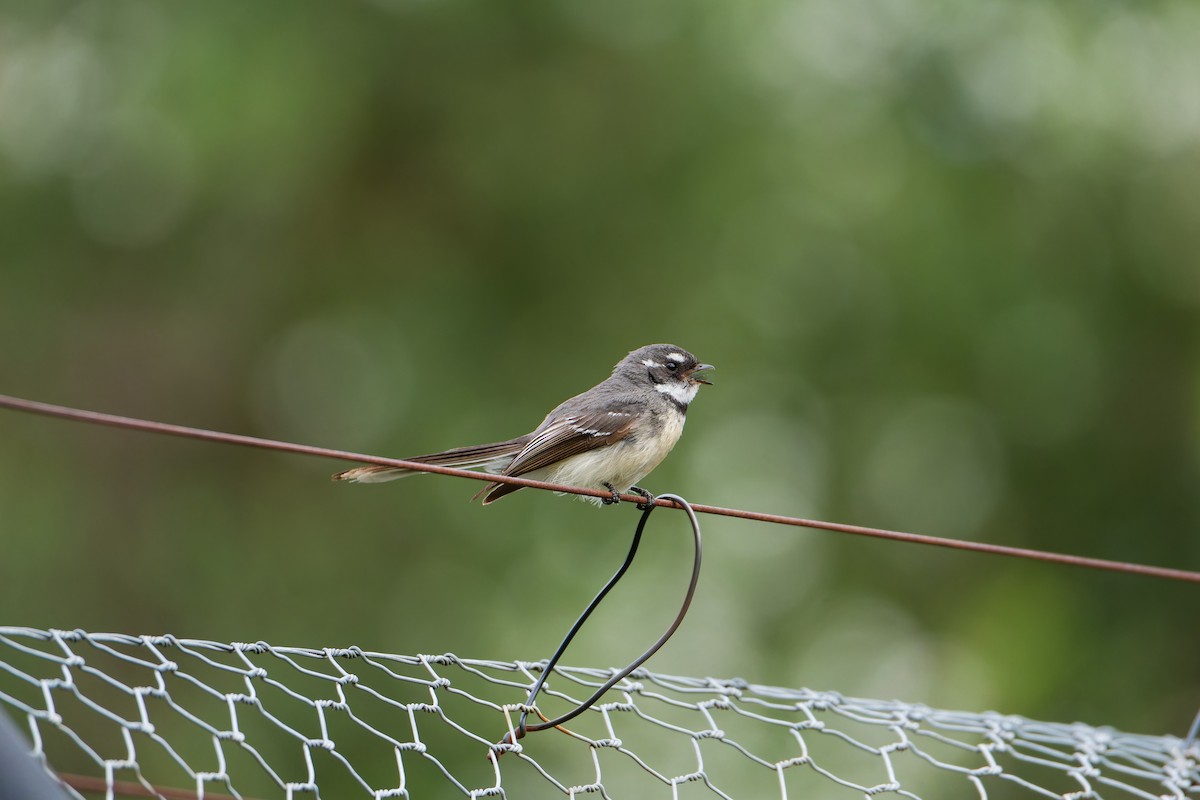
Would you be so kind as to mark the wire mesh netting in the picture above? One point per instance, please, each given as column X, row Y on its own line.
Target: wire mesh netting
column 152, row 715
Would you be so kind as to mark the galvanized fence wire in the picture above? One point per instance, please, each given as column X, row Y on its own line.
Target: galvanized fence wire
column 167, row 717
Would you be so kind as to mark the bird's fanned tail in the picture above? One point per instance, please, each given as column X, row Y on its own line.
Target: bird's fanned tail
column 487, row 457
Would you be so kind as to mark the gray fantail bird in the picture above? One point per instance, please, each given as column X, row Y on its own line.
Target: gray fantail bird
column 609, row 437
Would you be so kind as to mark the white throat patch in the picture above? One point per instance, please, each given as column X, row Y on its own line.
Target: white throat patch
column 682, row 392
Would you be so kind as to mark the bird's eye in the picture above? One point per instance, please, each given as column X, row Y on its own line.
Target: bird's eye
column 672, row 365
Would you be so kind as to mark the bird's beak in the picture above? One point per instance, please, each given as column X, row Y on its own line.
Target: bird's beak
column 700, row 367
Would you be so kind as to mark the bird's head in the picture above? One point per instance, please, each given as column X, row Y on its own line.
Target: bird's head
column 668, row 369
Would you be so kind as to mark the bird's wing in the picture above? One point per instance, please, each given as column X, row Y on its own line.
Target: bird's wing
column 569, row 434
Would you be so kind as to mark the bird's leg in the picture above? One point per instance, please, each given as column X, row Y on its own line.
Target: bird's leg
column 647, row 498
column 616, row 496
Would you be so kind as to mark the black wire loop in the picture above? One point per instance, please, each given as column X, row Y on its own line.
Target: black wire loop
column 523, row 725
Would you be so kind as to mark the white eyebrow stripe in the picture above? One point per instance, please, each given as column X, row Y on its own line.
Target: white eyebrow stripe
column 676, row 357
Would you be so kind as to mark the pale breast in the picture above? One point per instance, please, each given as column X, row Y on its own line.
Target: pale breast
column 622, row 464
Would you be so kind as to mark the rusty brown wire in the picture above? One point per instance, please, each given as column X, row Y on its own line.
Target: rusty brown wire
column 132, row 423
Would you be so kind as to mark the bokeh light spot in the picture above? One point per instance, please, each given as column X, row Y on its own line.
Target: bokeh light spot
column 1041, row 370
column 936, row 467
column 333, row 381
column 136, row 184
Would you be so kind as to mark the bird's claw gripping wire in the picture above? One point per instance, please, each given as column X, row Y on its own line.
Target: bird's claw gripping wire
column 647, row 498
column 523, row 727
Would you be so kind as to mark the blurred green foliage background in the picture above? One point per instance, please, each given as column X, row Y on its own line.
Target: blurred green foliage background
column 944, row 256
